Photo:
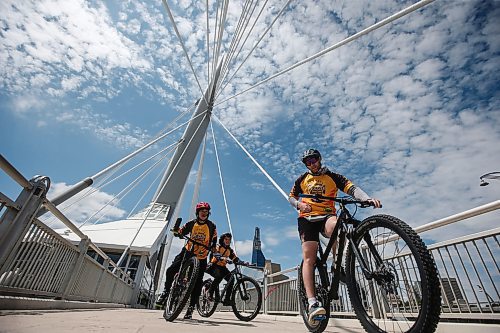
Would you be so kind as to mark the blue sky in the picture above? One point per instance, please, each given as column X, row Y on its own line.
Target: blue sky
column 410, row 112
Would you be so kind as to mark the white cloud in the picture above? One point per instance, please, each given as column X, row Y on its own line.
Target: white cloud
column 79, row 210
column 410, row 112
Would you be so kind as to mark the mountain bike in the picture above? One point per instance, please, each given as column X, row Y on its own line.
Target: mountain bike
column 391, row 277
column 246, row 295
column 184, row 281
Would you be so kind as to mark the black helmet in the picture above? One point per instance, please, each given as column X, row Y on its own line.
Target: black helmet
column 310, row 153
column 221, row 238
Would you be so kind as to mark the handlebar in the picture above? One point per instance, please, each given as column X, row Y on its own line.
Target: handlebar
column 341, row 200
column 239, row 263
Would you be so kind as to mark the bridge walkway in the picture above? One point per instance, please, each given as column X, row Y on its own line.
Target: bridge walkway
column 146, row 321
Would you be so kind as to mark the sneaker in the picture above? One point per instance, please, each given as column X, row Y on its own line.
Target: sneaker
column 189, row 313
column 314, row 311
column 226, row 302
column 160, row 303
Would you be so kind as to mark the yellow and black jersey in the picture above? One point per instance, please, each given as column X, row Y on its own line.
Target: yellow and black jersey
column 204, row 233
column 224, row 252
column 325, row 183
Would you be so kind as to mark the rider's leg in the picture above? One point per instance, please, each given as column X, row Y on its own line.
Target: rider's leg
column 195, row 294
column 309, row 250
column 329, row 226
column 169, row 278
column 172, row 270
column 230, row 283
column 309, row 235
column 218, row 276
column 198, row 284
column 328, row 231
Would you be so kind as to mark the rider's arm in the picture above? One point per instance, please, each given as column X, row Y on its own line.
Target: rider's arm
column 294, row 202
column 296, row 191
column 186, row 228
column 358, row 193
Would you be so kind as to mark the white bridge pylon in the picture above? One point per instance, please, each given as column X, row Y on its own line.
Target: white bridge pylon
column 171, row 187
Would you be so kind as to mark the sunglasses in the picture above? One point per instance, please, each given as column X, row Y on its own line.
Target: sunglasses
column 310, row 160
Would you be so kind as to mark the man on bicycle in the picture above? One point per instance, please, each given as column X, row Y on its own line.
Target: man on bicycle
column 217, row 267
column 318, row 216
column 203, row 231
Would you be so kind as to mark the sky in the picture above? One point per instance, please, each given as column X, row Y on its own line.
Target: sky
column 409, row 112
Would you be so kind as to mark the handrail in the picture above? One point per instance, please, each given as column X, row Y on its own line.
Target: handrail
column 494, row 205
column 13, row 173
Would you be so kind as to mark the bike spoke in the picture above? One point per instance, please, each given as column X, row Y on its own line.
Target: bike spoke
column 392, row 298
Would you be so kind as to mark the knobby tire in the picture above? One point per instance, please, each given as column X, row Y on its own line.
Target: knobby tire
column 181, row 289
column 321, row 287
column 397, row 310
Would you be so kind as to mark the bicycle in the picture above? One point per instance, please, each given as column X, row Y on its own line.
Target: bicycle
column 391, row 277
column 246, row 295
column 184, row 281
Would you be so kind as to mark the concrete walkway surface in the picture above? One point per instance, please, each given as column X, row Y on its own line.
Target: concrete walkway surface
column 142, row 320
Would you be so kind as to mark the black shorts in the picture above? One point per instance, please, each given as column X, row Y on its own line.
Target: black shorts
column 309, row 231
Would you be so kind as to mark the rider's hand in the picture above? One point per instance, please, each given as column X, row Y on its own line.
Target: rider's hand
column 177, row 233
column 375, row 203
column 303, row 207
column 217, row 256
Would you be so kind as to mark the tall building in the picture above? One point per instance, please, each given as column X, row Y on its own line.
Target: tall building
column 257, row 255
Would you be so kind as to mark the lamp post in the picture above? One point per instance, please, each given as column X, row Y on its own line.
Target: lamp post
column 490, row 175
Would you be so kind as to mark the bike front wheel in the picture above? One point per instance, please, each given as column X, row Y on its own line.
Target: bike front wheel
column 206, row 306
column 400, row 290
column 321, row 288
column 246, row 299
column 181, row 288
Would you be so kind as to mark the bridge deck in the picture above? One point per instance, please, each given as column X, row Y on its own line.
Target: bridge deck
column 139, row 320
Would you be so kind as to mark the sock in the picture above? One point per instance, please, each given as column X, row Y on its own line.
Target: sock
column 311, row 301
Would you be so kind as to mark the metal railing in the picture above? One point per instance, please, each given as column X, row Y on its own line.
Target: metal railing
column 468, row 269
column 36, row 261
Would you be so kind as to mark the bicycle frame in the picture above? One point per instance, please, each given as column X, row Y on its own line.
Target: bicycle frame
column 235, row 275
column 341, row 233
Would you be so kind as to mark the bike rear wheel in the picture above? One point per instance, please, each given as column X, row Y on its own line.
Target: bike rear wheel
column 321, row 287
column 404, row 294
column 181, row 289
column 246, row 299
column 206, row 306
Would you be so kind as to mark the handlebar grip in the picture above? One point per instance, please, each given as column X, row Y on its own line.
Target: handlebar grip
column 177, row 223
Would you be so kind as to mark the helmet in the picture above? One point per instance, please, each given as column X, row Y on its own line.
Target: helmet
column 310, row 153
column 202, row 205
column 221, row 238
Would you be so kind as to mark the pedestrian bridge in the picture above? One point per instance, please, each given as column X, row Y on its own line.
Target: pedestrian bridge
column 49, row 283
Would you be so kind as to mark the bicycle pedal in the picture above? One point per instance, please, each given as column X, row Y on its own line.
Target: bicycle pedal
column 319, row 317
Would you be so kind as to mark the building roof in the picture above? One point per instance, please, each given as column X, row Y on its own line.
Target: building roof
column 119, row 234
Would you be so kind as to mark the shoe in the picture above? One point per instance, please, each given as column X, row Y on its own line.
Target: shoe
column 160, row 303
column 226, row 302
column 315, row 310
column 189, row 313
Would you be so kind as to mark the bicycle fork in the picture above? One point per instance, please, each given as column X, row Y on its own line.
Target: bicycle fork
column 362, row 263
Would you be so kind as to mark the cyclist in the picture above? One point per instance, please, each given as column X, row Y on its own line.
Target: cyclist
column 318, row 180
column 203, row 231
column 217, row 267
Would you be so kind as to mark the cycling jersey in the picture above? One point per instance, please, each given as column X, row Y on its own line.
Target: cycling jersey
column 325, row 183
column 205, row 233
column 224, row 252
